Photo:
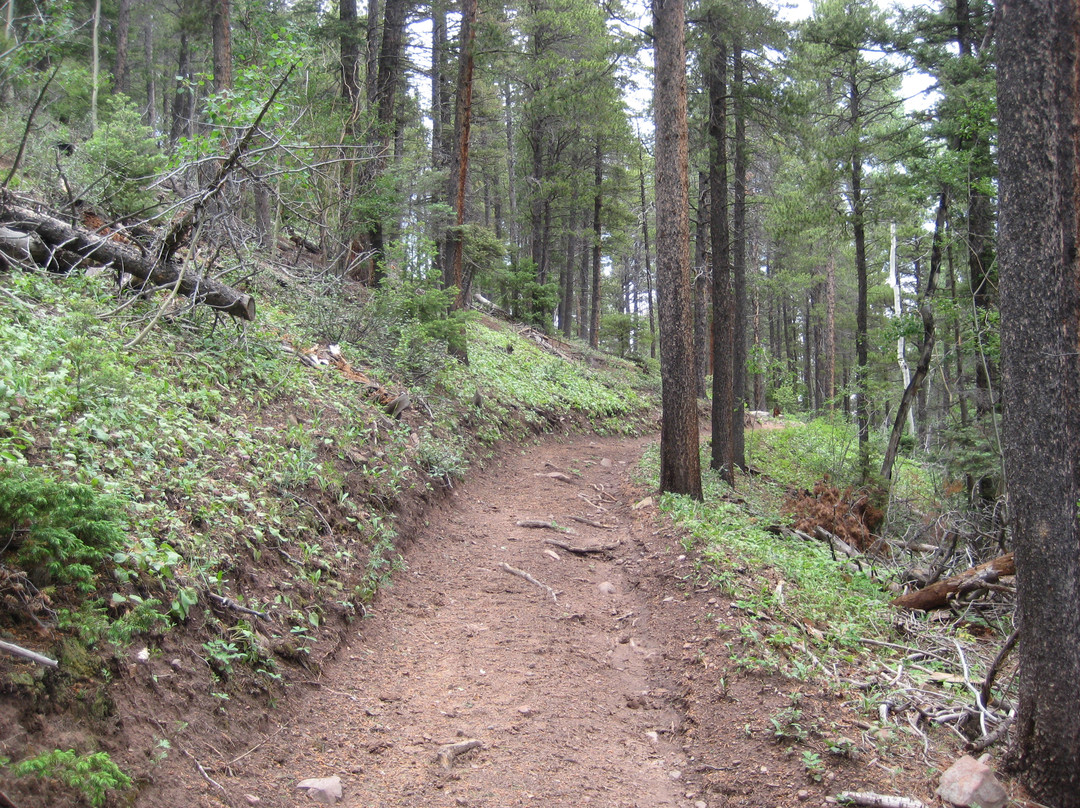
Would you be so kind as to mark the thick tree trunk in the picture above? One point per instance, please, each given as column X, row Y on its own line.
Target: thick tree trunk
column 830, row 330
column 738, row 263
column 645, row 240
column 460, row 164
column 1039, row 95
column 95, row 63
column 680, row 463
column 73, row 246
column 221, row 25
column 722, row 457
column 598, row 206
column 121, row 64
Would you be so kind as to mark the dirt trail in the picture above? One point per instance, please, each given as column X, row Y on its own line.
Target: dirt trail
column 611, row 696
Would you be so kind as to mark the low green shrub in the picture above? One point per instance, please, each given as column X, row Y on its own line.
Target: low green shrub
column 66, row 531
column 92, row 775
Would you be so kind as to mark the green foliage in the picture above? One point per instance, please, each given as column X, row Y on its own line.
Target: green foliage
column 803, row 453
column 92, row 775
column 528, row 300
column 541, row 381
column 120, row 161
column 65, row 530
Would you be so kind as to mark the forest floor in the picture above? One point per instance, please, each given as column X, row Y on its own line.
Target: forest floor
column 604, row 681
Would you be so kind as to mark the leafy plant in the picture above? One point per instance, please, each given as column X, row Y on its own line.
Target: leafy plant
column 92, row 775
column 815, row 768
column 65, row 530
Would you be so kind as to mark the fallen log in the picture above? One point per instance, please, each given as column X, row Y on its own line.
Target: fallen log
column 26, row 653
column 64, row 241
column 938, row 595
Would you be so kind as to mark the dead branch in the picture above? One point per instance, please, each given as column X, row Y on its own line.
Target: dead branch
column 26, row 653
column 229, row 603
column 177, row 235
column 939, row 595
column 522, row 574
column 592, row 523
column 452, row 751
column 601, row 548
column 556, row 475
column 540, row 524
column 995, row 666
column 872, row 800
column 992, row 737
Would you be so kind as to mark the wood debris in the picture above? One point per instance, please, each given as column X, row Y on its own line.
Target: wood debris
column 522, row 574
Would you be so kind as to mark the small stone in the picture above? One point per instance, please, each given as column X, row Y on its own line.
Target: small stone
column 675, row 774
column 175, row 663
column 701, row 804
column 764, row 770
column 606, row 588
column 143, row 655
column 654, row 737
column 606, row 462
column 969, row 782
column 251, row 799
column 803, row 795
column 526, row 710
column 326, row 790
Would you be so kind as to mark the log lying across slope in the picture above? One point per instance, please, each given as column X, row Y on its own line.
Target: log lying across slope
column 69, row 246
column 938, row 595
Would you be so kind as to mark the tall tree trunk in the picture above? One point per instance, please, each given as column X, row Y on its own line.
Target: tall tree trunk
column 349, row 45
column 460, row 164
column 723, row 405
column 121, row 64
column 830, row 330
column 858, row 227
column 1039, row 95
column 926, row 349
column 567, row 306
column 95, row 64
column 583, row 298
column 701, row 288
column 645, row 240
column 598, row 200
column 151, row 116
column 511, row 173
column 385, row 88
column 759, row 377
column 220, row 25
column 183, row 103
column 680, row 464
column 738, row 263
column 371, row 53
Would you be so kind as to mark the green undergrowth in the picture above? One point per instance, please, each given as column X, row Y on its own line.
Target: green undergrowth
column 808, row 606
column 144, row 489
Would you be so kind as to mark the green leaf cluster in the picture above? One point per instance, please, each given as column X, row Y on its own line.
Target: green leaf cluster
column 62, row 531
column 92, row 775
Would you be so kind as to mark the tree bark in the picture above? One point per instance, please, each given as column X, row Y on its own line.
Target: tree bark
column 645, row 240
column 598, row 206
column 460, row 165
column 939, row 594
column 858, row 227
column 738, row 263
column 723, row 404
column 701, row 287
column 151, row 116
column 72, row 246
column 121, row 65
column 680, row 463
column 1039, row 95
column 221, row 28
